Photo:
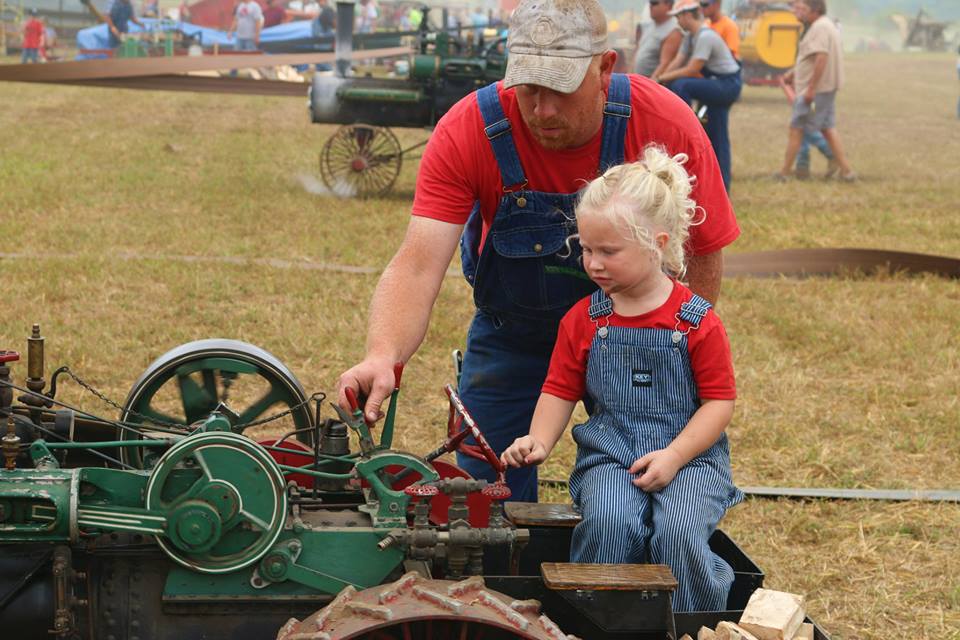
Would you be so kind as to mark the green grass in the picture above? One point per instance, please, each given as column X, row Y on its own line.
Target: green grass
column 850, row 382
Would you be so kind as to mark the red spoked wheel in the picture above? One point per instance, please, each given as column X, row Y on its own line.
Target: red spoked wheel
column 414, row 607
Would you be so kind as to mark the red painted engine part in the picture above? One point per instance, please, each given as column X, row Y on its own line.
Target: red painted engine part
column 479, row 504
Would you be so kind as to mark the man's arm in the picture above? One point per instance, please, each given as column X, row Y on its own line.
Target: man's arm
column 668, row 52
column 690, row 70
column 819, row 66
column 704, row 274
column 400, row 308
column 677, row 61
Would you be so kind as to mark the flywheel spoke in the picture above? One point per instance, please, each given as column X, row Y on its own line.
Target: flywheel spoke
column 197, row 403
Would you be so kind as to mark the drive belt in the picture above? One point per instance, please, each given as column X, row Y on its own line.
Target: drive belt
column 84, row 71
column 824, row 262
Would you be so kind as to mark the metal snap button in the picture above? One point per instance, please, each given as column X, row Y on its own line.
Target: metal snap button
column 521, row 202
column 537, row 248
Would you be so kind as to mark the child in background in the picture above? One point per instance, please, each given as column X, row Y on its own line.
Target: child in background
column 33, row 31
column 652, row 477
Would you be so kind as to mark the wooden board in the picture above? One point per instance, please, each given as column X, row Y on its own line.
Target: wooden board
column 540, row 514
column 562, row 576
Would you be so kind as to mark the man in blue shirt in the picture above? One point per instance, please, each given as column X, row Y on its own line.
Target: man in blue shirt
column 121, row 14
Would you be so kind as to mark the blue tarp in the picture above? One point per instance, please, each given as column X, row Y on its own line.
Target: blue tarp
column 98, row 37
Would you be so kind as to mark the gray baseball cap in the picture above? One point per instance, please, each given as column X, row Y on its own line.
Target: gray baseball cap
column 551, row 42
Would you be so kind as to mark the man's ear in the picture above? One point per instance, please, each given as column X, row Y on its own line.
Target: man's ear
column 608, row 61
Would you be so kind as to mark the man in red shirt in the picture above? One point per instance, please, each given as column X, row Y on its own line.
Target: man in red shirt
column 33, row 31
column 514, row 155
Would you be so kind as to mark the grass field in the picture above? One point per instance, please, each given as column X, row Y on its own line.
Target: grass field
column 132, row 222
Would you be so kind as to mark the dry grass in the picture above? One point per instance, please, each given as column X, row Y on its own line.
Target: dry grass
column 848, row 382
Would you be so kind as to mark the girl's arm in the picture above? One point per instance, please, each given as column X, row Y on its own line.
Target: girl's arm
column 658, row 468
column 550, row 418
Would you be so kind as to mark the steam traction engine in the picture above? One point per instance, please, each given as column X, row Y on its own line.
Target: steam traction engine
column 170, row 522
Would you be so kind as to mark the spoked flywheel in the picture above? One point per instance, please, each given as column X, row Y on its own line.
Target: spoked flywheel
column 415, row 607
column 361, row 160
column 188, row 383
column 225, row 501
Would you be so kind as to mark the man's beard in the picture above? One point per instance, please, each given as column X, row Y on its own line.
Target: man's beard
column 554, row 142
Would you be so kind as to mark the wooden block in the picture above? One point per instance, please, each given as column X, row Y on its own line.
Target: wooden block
column 562, row 576
column 773, row 615
column 730, row 631
column 706, row 633
column 805, row 632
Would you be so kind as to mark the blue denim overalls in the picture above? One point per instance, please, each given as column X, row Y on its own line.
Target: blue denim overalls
column 522, row 287
column 644, row 393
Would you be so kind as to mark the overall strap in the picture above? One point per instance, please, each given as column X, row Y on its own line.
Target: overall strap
column 693, row 311
column 616, row 116
column 600, row 305
column 497, row 130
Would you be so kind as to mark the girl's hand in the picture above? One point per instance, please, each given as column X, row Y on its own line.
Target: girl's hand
column 524, row 451
column 656, row 469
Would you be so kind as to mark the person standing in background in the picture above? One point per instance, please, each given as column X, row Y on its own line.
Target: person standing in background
column 659, row 41
column 274, row 14
column 33, row 35
column 121, row 14
column 722, row 24
column 816, row 78
column 366, row 17
column 247, row 22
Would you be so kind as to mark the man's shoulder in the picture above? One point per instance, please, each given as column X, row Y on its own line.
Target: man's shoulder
column 824, row 27
column 654, row 107
column 725, row 23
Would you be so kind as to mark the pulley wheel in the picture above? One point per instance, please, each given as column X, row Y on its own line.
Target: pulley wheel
column 415, row 607
column 187, row 383
column 361, row 160
column 224, row 499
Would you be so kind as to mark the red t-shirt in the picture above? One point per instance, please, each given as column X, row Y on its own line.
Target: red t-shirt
column 32, row 34
column 709, row 348
column 459, row 168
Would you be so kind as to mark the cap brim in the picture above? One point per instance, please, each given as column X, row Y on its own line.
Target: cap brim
column 560, row 74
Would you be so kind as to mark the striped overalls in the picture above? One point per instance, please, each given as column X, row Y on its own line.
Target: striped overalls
column 523, row 281
column 644, row 393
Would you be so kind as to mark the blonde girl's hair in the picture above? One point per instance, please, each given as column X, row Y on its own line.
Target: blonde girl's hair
column 646, row 197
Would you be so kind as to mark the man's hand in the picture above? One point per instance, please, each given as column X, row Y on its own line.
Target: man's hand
column 524, row 451
column 656, row 469
column 372, row 378
column 808, row 95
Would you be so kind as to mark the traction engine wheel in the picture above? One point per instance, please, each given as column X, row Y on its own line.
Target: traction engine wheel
column 361, row 160
column 415, row 607
column 189, row 382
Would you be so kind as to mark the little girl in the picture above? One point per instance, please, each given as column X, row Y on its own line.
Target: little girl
column 652, row 477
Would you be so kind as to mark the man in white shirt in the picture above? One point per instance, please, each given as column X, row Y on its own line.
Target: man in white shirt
column 247, row 22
